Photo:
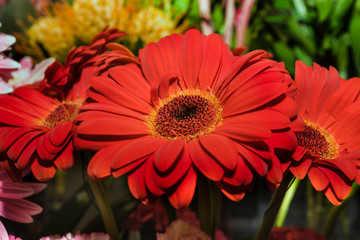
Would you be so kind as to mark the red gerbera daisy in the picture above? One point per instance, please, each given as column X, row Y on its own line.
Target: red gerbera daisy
column 35, row 127
column 329, row 146
column 189, row 105
column 35, row 131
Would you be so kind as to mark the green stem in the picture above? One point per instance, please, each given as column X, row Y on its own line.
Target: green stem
column 102, row 198
column 284, row 209
column 334, row 213
column 208, row 206
column 273, row 208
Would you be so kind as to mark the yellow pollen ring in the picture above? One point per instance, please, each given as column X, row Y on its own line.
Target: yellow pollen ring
column 208, row 120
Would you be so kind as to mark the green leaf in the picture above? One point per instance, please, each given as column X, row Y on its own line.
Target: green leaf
column 302, row 55
column 218, row 18
column 300, row 8
column 341, row 8
column 324, row 8
column 181, row 5
column 354, row 32
column 302, row 34
column 285, row 54
column 282, row 4
column 342, row 55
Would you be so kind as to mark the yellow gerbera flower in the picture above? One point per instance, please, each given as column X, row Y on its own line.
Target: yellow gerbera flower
column 67, row 25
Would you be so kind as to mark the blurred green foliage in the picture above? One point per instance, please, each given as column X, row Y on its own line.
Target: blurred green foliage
column 322, row 31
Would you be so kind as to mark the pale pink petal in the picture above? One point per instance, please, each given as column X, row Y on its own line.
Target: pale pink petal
column 6, row 41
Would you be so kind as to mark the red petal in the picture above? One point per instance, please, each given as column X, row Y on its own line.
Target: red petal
column 184, row 193
column 302, row 169
column 340, row 186
column 11, row 118
column 344, row 165
column 112, row 125
column 152, row 62
column 131, row 80
column 136, row 150
column 236, row 66
column 332, row 197
column 136, row 182
column 14, row 104
column 252, row 98
column 258, row 163
column 36, row 99
column 26, row 155
column 43, row 171
column 119, row 95
column 66, row 159
column 21, row 143
column 318, row 179
column 221, row 148
column 150, row 178
column 204, row 162
column 170, row 51
column 211, row 60
column 11, row 135
column 284, row 140
column 233, row 193
column 244, row 132
column 191, row 57
column 275, row 174
column 170, row 178
column 59, row 134
column 265, row 118
column 168, row 153
column 241, row 176
column 344, row 96
column 100, row 164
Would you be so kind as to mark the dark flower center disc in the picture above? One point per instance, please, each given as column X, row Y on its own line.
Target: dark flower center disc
column 186, row 116
column 318, row 142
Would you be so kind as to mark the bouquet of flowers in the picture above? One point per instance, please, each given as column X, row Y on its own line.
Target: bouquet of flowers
column 136, row 119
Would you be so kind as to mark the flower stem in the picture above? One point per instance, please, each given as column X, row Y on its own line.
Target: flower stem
column 208, row 206
column 334, row 213
column 102, row 198
column 284, row 209
column 273, row 208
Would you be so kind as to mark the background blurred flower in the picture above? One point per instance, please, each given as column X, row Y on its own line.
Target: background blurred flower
column 47, row 36
column 4, row 235
column 56, row 33
column 12, row 204
column 328, row 148
column 14, row 74
column 78, row 236
column 143, row 213
column 7, row 65
column 27, row 74
column 192, row 98
column 294, row 233
column 180, row 229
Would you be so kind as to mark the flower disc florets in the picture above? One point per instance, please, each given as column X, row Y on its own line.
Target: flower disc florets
column 318, row 142
column 187, row 114
column 64, row 112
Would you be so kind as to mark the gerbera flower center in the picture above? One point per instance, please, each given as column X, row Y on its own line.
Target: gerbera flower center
column 63, row 113
column 187, row 115
column 318, row 142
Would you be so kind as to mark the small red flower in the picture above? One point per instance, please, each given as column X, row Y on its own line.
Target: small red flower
column 294, row 233
column 189, row 106
column 328, row 148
